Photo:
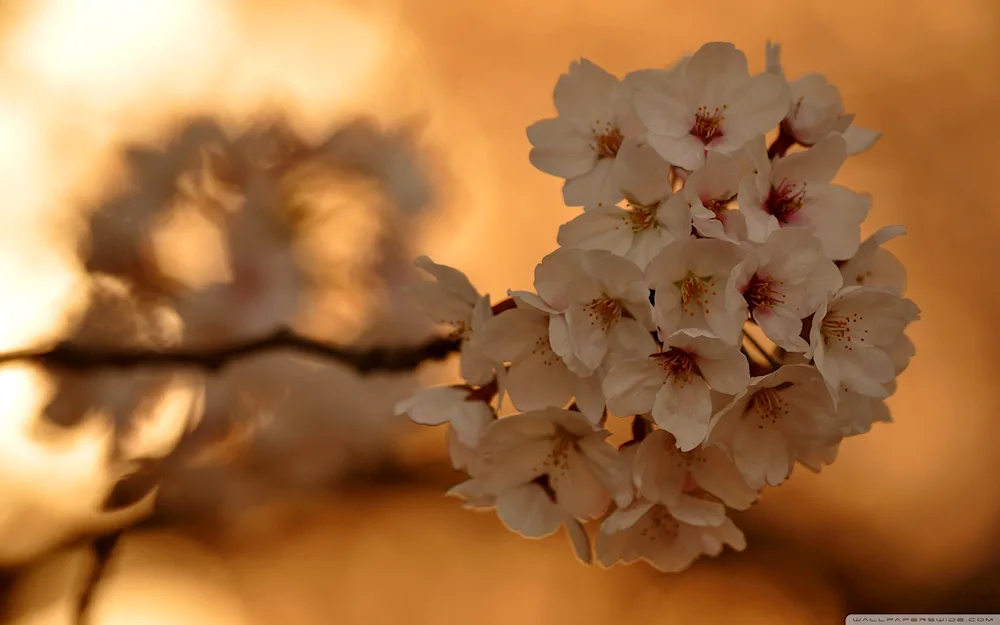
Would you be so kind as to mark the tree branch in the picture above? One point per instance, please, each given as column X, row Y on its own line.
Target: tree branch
column 781, row 144
column 363, row 360
column 771, row 361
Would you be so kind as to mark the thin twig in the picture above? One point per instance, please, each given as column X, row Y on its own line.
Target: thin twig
column 781, row 144
column 363, row 360
column 771, row 361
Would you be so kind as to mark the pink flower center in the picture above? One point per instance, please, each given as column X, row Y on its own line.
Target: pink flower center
column 608, row 142
column 678, row 363
column 768, row 406
column 708, row 124
column 695, row 291
column 760, row 293
column 605, row 311
column 784, row 200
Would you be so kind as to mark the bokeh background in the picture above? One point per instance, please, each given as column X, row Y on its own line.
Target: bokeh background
column 907, row 519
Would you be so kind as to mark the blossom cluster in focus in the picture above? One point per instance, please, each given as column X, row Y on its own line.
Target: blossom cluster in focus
column 696, row 235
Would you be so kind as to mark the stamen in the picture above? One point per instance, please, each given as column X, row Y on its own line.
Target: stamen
column 642, row 216
column 605, row 311
column 768, row 406
column 678, row 363
column 695, row 291
column 784, row 200
column 760, row 293
column 839, row 328
column 708, row 124
column 608, row 140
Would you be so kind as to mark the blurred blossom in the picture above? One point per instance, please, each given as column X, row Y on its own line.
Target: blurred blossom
column 901, row 518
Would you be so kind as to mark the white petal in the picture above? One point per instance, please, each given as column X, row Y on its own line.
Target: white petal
column 528, row 511
column 583, row 94
column 642, row 173
column 590, row 339
column 659, row 469
column 817, row 165
column 697, row 511
column 560, row 149
column 781, row 326
column 663, row 111
column 580, row 540
column 538, row 381
column 834, row 214
column 758, row 108
column 595, row 188
column 684, row 409
column 475, row 367
column 860, row 139
column 761, row 455
column 631, row 386
column 598, row 229
column 432, row 406
column 628, row 339
column 474, row 494
column 723, row 366
column 577, row 489
column 513, row 332
column 624, row 518
column 605, row 462
column 530, row 300
column 685, row 151
column 712, row 72
column 717, row 474
column 471, row 423
column 450, row 278
column 561, row 341
column 588, row 397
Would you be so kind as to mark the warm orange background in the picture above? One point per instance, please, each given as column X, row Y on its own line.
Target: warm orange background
column 908, row 518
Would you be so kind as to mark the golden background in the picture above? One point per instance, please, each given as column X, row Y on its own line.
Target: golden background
column 907, row 519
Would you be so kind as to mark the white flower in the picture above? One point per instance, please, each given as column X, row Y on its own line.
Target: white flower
column 707, row 195
column 529, row 510
column 650, row 222
column 604, row 306
column 857, row 413
column 850, row 337
column 538, row 378
column 648, row 530
column 785, row 280
column 795, row 190
column 582, row 143
column 817, row 110
column 674, row 385
column 874, row 265
column 693, row 485
column 691, row 278
column 771, row 425
column 454, row 301
column 711, row 103
column 584, row 471
column 469, row 417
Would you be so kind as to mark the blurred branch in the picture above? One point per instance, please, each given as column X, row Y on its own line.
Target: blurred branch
column 102, row 547
column 363, row 360
column 771, row 361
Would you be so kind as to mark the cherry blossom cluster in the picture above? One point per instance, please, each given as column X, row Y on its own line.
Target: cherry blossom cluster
column 715, row 288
